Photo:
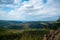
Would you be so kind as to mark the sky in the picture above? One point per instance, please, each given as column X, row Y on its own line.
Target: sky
column 30, row 10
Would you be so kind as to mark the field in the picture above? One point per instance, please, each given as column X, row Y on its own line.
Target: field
column 23, row 34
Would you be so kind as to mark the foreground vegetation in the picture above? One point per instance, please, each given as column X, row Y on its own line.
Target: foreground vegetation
column 24, row 35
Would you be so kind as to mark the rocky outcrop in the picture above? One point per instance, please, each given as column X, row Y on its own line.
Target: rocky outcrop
column 53, row 35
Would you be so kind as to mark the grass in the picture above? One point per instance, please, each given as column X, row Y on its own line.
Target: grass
column 23, row 34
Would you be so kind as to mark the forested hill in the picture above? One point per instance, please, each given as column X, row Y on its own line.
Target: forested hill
column 29, row 24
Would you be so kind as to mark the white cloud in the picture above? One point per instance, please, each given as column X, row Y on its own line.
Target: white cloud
column 17, row 1
column 3, row 15
column 34, row 10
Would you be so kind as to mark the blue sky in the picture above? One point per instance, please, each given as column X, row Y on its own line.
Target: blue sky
column 31, row 10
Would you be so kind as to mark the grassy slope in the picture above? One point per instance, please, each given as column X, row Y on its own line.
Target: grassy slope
column 22, row 34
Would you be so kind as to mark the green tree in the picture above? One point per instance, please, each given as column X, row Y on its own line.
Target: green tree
column 58, row 20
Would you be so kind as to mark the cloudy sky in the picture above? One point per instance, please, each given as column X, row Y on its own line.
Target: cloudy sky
column 30, row 10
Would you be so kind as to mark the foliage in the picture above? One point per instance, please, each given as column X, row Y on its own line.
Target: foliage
column 25, row 35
